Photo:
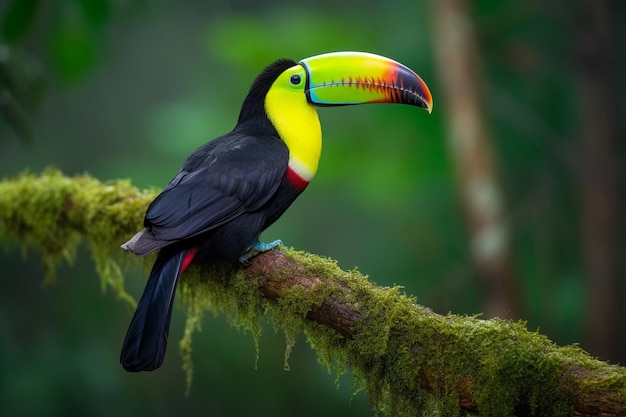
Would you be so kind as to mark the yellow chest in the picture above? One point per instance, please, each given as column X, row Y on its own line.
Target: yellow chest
column 298, row 125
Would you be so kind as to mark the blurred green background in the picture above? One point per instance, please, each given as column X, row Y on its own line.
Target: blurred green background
column 124, row 89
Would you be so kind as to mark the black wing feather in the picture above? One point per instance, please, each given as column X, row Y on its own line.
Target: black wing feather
column 236, row 174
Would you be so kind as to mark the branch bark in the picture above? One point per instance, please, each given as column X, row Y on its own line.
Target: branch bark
column 411, row 360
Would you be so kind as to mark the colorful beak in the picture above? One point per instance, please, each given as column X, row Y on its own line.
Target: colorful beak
column 345, row 78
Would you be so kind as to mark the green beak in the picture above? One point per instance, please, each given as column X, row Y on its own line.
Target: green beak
column 345, row 78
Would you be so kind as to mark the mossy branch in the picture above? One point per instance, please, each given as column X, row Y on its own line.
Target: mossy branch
column 410, row 360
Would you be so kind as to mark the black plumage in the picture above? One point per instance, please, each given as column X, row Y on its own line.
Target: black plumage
column 227, row 192
column 146, row 339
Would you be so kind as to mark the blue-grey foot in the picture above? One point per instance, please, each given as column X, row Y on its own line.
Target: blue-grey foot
column 256, row 248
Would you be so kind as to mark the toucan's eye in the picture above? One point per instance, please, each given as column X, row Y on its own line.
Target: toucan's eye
column 295, row 79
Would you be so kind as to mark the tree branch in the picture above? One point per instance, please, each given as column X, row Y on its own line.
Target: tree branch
column 411, row 360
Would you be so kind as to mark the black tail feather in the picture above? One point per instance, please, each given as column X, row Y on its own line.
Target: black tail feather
column 146, row 340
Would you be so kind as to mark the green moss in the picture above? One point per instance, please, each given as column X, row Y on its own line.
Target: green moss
column 218, row 289
column 52, row 213
column 397, row 342
column 40, row 220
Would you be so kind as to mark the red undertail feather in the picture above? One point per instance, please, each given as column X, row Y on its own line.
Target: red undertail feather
column 191, row 252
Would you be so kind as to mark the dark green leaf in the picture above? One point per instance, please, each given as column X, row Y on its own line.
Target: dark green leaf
column 96, row 11
column 74, row 51
column 18, row 19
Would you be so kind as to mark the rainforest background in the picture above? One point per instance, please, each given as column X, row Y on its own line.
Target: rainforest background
column 523, row 220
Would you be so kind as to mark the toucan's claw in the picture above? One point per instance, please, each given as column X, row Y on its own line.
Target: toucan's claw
column 257, row 248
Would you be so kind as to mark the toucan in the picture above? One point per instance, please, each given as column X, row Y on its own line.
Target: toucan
column 232, row 188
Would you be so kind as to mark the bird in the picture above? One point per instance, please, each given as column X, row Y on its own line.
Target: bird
column 235, row 186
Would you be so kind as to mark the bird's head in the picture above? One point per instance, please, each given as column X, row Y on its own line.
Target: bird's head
column 286, row 94
column 347, row 78
column 337, row 79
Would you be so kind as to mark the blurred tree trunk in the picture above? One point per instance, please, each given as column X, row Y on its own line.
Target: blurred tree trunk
column 461, row 78
column 602, row 186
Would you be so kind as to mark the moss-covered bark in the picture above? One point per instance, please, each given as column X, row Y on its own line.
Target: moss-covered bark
column 410, row 360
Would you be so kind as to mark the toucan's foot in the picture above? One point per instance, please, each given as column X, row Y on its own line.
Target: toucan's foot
column 256, row 248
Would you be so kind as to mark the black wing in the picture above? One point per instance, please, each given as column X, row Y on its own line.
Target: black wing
column 220, row 181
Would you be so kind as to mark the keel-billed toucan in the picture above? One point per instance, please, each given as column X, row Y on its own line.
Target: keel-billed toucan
column 233, row 187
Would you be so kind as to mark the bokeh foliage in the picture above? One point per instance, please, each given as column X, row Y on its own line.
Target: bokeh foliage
column 128, row 89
